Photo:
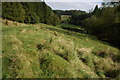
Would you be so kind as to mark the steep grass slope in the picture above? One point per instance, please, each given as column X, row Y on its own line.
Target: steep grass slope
column 43, row 51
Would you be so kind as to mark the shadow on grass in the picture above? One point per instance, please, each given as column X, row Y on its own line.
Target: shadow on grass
column 74, row 30
column 78, row 34
column 113, row 73
column 75, row 34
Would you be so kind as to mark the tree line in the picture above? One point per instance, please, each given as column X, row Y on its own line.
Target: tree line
column 103, row 22
column 29, row 12
column 68, row 12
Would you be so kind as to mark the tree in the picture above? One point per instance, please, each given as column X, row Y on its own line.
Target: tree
column 29, row 12
column 105, row 25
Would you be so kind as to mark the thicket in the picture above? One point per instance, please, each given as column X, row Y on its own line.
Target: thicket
column 29, row 12
column 103, row 22
column 77, row 19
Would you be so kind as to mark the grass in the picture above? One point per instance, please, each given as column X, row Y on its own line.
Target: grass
column 44, row 51
column 65, row 17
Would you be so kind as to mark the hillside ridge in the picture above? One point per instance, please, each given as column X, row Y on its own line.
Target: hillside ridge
column 45, row 51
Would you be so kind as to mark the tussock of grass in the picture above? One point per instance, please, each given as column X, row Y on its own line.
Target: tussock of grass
column 43, row 51
column 54, row 66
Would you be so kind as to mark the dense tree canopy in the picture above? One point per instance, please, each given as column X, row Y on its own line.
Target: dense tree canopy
column 69, row 12
column 29, row 12
column 102, row 22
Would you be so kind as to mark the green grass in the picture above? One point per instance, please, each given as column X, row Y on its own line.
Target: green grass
column 44, row 51
column 65, row 17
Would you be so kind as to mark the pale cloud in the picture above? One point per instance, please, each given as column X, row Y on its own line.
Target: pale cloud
column 73, row 0
column 85, row 6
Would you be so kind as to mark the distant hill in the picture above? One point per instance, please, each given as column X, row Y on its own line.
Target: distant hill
column 29, row 12
column 69, row 12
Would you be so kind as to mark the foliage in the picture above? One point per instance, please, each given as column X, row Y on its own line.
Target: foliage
column 13, row 11
column 29, row 12
column 72, row 16
column 78, row 18
column 105, row 24
column 69, row 12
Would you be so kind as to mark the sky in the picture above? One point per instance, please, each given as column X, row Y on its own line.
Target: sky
column 84, row 5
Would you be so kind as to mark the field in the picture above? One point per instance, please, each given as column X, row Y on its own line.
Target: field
column 65, row 18
column 44, row 51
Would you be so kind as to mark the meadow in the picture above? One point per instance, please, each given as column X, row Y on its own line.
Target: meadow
column 45, row 51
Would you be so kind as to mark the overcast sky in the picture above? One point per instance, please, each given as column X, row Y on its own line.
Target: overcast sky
column 84, row 5
column 73, row 0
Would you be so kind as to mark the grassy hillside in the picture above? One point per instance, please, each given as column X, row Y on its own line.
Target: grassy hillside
column 43, row 51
